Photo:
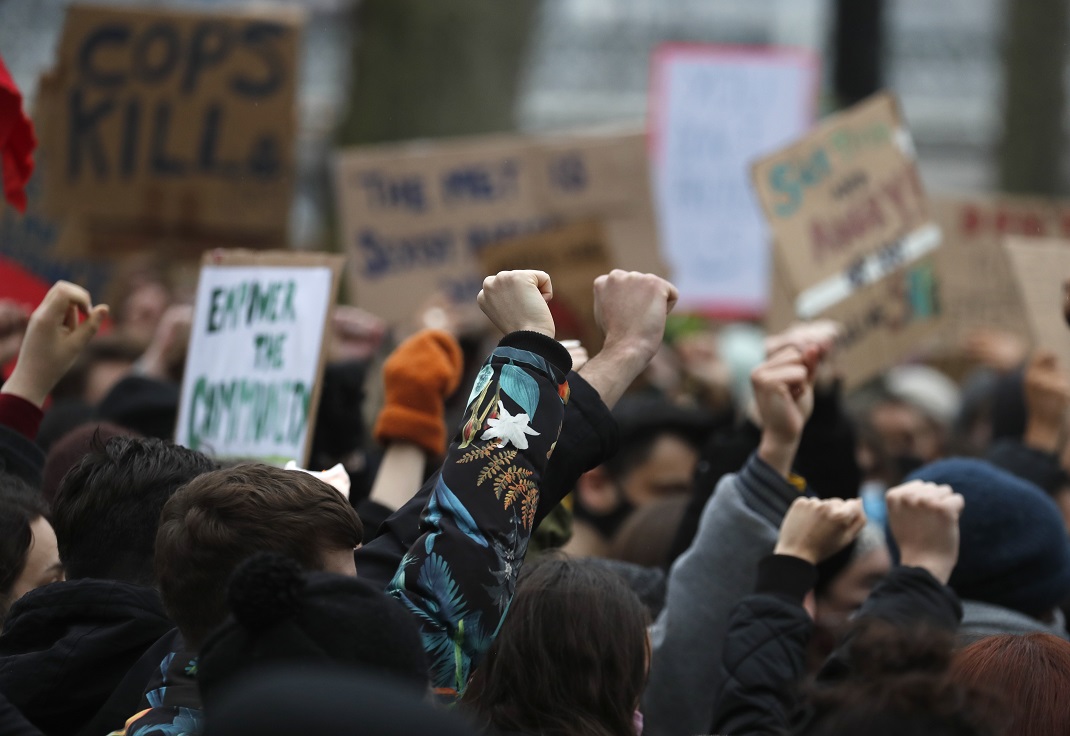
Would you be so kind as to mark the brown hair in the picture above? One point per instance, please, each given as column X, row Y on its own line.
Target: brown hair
column 221, row 518
column 571, row 658
column 1029, row 674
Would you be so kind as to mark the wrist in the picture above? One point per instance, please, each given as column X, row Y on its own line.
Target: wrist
column 549, row 332
column 798, row 552
column 632, row 353
column 18, row 385
column 938, row 565
column 777, row 453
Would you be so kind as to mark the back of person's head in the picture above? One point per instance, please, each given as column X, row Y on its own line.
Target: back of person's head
column 20, row 507
column 571, row 658
column 281, row 614
column 108, row 506
column 222, row 518
column 1014, row 550
column 900, row 685
column 1029, row 674
column 68, row 451
column 286, row 700
column 647, row 536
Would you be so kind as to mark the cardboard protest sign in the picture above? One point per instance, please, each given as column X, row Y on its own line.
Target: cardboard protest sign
column 1041, row 268
column 414, row 217
column 979, row 289
column 173, row 121
column 574, row 256
column 853, row 235
column 715, row 109
column 257, row 348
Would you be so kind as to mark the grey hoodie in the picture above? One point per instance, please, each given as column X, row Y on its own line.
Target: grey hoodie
column 738, row 528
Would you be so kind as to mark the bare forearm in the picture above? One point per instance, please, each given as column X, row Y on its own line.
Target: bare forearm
column 613, row 370
column 400, row 475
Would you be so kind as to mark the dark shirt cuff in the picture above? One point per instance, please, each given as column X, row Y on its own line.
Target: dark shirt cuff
column 540, row 344
column 20, row 415
column 787, row 576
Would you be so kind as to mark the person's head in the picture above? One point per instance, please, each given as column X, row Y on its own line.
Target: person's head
column 1028, row 673
column 222, row 518
column 69, row 450
column 647, row 536
column 900, row 685
column 846, row 579
column 281, row 614
column 108, row 506
column 29, row 557
column 571, row 657
column 656, row 458
column 1014, row 550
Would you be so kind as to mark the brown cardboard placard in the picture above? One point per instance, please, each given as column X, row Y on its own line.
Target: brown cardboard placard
column 574, row 255
column 853, row 239
column 415, row 216
column 277, row 297
column 979, row 289
column 173, row 121
column 1041, row 267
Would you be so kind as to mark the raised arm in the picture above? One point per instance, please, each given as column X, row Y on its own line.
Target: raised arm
column 458, row 577
column 738, row 528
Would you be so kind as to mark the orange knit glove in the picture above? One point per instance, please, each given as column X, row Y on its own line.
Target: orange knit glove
column 419, row 375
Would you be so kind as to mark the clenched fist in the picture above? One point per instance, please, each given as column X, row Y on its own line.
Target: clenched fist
column 516, row 300
column 815, row 529
column 631, row 308
column 924, row 519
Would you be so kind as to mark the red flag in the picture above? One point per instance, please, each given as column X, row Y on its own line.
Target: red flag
column 17, row 141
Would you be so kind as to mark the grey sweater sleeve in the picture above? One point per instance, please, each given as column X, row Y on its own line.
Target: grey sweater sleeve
column 738, row 528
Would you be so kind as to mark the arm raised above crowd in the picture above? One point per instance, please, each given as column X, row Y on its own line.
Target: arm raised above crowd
column 631, row 309
column 739, row 526
column 459, row 575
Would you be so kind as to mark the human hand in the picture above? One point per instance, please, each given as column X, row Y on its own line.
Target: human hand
column 169, row 342
column 577, row 351
column 815, row 529
column 55, row 337
column 13, row 320
column 784, row 398
column 631, row 308
column 1047, row 396
column 821, row 333
column 924, row 519
column 516, row 300
column 999, row 350
column 356, row 334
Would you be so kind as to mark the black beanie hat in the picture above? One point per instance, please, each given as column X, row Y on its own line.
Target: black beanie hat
column 281, row 614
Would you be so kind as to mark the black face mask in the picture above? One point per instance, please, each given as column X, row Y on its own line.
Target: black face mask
column 605, row 524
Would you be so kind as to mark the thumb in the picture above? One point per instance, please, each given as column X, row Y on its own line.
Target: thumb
column 92, row 323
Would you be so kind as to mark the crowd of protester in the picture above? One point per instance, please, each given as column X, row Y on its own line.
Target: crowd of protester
column 692, row 530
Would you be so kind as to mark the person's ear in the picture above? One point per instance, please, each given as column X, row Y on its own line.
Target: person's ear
column 597, row 493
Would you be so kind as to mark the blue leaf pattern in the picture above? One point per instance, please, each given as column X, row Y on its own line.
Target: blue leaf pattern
column 521, row 388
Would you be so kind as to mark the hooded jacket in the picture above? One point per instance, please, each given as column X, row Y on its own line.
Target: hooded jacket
column 66, row 646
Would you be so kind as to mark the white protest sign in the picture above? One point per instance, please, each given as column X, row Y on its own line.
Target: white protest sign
column 250, row 388
column 714, row 110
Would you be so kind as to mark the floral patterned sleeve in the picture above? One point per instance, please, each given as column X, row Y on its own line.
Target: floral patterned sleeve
column 459, row 576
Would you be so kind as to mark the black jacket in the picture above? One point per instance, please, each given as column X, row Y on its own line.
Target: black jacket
column 20, row 456
column 588, row 436
column 765, row 649
column 66, row 647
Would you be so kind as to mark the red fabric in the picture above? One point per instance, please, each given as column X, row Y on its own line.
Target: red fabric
column 17, row 141
column 20, row 415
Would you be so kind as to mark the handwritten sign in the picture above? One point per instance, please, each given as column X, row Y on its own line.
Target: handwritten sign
column 979, row 288
column 1041, row 267
column 416, row 216
column 574, row 256
column 173, row 120
column 256, row 354
column 714, row 109
column 853, row 235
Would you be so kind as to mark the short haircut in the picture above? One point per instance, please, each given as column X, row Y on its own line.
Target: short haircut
column 20, row 507
column 222, row 518
column 108, row 506
column 1028, row 674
